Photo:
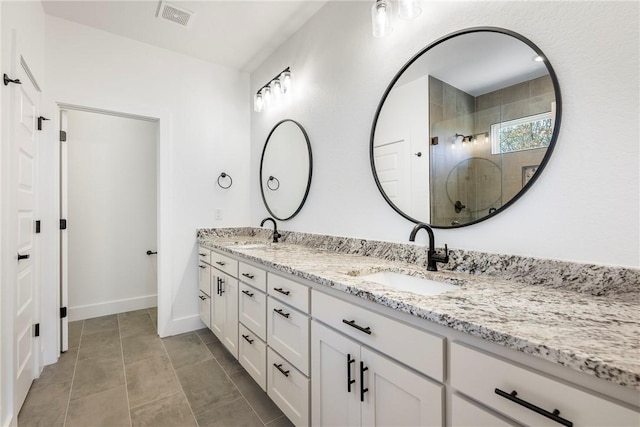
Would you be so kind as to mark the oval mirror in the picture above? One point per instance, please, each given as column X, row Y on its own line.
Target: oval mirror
column 465, row 127
column 285, row 170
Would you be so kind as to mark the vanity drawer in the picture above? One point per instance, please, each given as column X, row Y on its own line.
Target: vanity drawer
column 465, row 413
column 204, row 278
column 204, row 254
column 294, row 294
column 252, row 308
column 288, row 333
column 288, row 388
column 224, row 263
column 253, row 276
column 480, row 375
column 418, row 349
column 252, row 354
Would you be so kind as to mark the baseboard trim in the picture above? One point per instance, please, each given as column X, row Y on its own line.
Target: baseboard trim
column 112, row 307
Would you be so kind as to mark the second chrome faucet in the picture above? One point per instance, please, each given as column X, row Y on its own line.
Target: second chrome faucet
column 432, row 258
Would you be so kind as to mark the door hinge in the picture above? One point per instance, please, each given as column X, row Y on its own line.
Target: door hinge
column 63, row 312
column 63, row 136
column 40, row 120
column 37, row 226
column 36, row 329
column 63, row 224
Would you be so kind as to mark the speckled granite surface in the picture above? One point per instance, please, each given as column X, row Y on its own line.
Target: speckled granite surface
column 550, row 309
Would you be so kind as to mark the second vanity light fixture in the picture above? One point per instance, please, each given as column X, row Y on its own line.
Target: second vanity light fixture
column 272, row 91
column 382, row 14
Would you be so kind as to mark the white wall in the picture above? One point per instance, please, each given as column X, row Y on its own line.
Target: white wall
column 208, row 110
column 585, row 207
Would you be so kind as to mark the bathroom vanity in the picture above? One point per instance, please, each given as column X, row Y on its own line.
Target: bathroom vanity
column 332, row 347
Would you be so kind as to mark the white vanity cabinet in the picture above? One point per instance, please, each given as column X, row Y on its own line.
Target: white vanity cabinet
column 204, row 285
column 224, row 301
column 353, row 385
column 530, row 397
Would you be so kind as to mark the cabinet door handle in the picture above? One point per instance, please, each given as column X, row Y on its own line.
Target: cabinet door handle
column 362, row 389
column 26, row 256
column 220, row 263
column 247, row 339
column 353, row 324
column 279, row 366
column 281, row 313
column 221, row 286
column 247, row 293
column 283, row 292
column 219, row 282
column 555, row 415
column 248, row 276
column 349, row 380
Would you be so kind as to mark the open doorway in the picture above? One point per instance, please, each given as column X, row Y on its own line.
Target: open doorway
column 109, row 199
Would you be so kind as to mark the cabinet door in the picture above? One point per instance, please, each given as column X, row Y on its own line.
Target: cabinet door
column 396, row 396
column 335, row 399
column 252, row 310
column 217, row 306
column 465, row 413
column 230, row 293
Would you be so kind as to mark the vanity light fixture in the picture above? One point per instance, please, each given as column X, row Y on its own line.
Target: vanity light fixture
column 272, row 91
column 409, row 9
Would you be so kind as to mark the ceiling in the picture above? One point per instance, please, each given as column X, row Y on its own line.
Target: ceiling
column 234, row 33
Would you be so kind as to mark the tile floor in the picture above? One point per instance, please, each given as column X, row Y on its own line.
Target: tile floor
column 117, row 372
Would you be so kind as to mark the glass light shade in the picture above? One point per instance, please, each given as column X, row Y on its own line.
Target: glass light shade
column 276, row 88
column 258, row 103
column 381, row 18
column 409, row 9
column 285, row 78
column 266, row 95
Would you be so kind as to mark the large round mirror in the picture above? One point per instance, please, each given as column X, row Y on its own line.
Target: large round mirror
column 285, row 170
column 465, row 127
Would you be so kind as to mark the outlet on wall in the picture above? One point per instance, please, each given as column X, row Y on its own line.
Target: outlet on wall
column 218, row 214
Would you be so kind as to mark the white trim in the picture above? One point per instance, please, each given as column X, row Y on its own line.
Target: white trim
column 112, row 307
column 184, row 324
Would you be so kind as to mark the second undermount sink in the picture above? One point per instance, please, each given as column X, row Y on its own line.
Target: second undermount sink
column 405, row 282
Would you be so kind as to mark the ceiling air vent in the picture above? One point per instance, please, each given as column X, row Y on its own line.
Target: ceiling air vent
column 175, row 14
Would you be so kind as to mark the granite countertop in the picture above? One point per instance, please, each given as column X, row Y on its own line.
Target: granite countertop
column 596, row 335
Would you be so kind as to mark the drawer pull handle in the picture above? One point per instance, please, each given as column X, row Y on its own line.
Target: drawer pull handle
column 551, row 415
column 247, row 293
column 349, row 380
column 201, row 297
column 281, row 313
column 282, row 291
column 285, row 373
column 247, row 339
column 362, row 389
column 203, row 254
column 353, row 324
column 248, row 276
column 202, row 266
column 220, row 263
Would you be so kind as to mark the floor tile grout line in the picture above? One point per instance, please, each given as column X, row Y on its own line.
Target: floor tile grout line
column 231, row 380
column 124, row 371
column 274, row 420
column 175, row 374
column 75, row 366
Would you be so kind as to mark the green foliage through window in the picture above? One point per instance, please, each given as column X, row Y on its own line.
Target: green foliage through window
column 522, row 134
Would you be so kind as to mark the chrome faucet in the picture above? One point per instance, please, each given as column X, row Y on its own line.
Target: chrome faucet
column 432, row 258
column 276, row 235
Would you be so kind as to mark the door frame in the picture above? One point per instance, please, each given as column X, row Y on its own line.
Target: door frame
column 163, row 207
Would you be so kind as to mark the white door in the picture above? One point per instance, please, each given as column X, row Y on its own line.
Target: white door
column 230, row 293
column 397, row 396
column 394, row 171
column 111, row 204
column 25, row 134
column 218, row 306
column 335, row 389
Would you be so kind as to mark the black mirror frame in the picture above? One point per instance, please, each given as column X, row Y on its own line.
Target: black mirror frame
column 545, row 159
column 306, row 193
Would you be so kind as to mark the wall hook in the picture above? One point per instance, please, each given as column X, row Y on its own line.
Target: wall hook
column 222, row 176
column 275, row 185
column 7, row 80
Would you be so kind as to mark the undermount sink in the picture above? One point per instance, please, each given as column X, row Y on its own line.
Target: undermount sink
column 405, row 282
column 249, row 246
